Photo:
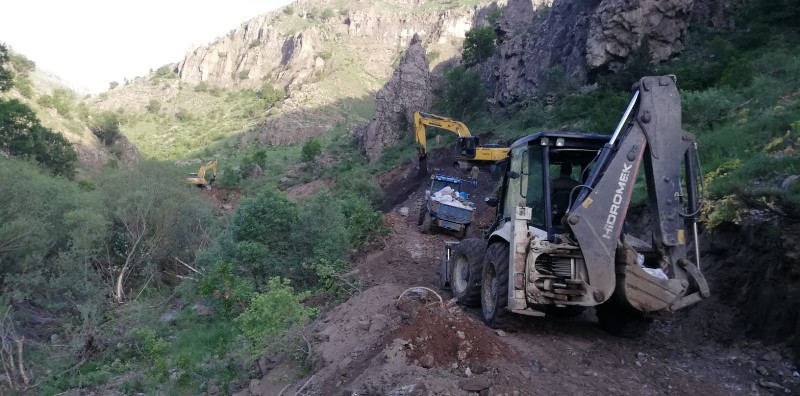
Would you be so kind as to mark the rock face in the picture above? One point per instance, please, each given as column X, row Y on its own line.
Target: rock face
column 408, row 90
column 585, row 36
column 272, row 48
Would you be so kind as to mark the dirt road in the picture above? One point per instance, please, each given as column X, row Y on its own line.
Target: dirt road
column 377, row 344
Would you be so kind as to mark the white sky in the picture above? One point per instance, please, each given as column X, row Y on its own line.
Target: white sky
column 90, row 43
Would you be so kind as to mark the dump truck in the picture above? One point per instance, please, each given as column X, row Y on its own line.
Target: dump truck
column 556, row 250
column 447, row 206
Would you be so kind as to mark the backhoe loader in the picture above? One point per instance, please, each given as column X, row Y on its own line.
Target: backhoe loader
column 558, row 250
column 199, row 178
column 468, row 148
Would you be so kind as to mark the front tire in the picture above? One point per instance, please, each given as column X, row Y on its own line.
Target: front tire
column 494, row 286
column 465, row 275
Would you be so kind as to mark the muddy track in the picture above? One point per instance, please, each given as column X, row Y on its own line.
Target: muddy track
column 371, row 345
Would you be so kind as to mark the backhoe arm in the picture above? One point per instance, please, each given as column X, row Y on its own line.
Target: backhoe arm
column 650, row 131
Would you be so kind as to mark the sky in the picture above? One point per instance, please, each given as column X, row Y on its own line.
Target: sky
column 90, row 43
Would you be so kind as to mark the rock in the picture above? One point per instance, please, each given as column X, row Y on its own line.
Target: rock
column 426, row 361
column 790, row 181
column 580, row 39
column 169, row 318
column 464, row 348
column 460, row 334
column 795, row 374
column 213, row 390
column 772, row 356
column 500, row 333
column 364, row 324
column 478, row 367
column 202, row 310
column 254, row 387
column 475, row 384
column 770, row 385
column 762, row 370
column 408, row 90
column 404, row 211
column 416, row 389
column 321, row 337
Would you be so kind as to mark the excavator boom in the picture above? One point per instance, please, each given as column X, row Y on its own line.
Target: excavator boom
column 469, row 149
column 199, row 178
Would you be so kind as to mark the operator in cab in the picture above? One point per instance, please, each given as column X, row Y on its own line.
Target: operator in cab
column 564, row 180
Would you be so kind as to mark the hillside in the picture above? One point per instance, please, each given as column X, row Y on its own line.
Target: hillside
column 319, row 64
column 303, row 270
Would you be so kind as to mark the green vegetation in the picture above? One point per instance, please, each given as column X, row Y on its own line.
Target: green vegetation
column 740, row 93
column 479, row 44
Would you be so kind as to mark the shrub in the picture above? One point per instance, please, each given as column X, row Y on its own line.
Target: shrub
column 112, row 85
column 311, row 148
column 202, row 86
column 274, row 311
column 460, row 94
column 154, row 106
column 479, row 44
column 288, row 10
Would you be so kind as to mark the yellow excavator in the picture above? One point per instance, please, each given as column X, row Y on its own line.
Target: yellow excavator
column 199, row 178
column 468, row 148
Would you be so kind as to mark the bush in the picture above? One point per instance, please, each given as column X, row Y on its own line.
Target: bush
column 113, row 85
column 479, row 44
column 311, row 148
column 288, row 10
column 271, row 312
column 460, row 94
column 154, row 106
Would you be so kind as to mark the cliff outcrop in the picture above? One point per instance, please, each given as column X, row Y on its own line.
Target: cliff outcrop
column 408, row 90
column 582, row 37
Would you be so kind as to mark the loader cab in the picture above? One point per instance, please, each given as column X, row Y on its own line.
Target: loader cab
column 535, row 163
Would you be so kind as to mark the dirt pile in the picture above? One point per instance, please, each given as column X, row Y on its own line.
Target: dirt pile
column 436, row 336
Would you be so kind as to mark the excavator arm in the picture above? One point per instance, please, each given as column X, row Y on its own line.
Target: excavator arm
column 199, row 178
column 422, row 119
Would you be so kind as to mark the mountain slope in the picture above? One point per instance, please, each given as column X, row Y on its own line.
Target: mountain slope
column 327, row 58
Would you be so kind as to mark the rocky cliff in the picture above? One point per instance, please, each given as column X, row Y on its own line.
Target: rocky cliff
column 299, row 42
column 408, row 90
column 581, row 37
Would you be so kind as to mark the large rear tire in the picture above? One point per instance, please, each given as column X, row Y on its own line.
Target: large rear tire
column 494, row 286
column 465, row 272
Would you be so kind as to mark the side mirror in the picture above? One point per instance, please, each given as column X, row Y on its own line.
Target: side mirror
column 492, row 201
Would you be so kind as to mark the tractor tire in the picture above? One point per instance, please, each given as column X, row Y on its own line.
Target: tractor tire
column 494, row 286
column 465, row 275
column 621, row 320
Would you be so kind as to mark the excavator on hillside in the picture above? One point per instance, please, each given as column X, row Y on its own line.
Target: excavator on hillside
column 199, row 179
column 558, row 246
column 468, row 148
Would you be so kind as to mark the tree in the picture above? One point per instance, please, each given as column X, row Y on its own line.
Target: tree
column 156, row 222
column 479, row 45
column 22, row 135
column 105, row 126
column 6, row 77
